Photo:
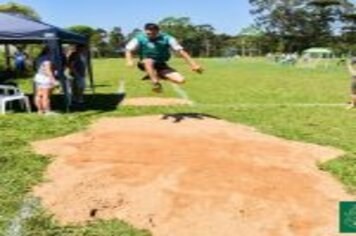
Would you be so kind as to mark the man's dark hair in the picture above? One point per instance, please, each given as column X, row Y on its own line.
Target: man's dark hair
column 152, row 26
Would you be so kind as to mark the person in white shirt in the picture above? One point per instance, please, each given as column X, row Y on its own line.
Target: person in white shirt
column 44, row 82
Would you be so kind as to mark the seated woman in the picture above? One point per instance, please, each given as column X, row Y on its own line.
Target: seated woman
column 44, row 82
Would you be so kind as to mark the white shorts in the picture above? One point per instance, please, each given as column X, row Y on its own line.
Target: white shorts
column 42, row 81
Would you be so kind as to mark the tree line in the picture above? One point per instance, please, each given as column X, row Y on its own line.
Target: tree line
column 199, row 40
column 294, row 25
column 280, row 26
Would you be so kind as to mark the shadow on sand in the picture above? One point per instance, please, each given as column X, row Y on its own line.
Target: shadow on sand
column 179, row 117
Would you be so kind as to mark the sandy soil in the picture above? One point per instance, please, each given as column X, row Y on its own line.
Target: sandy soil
column 198, row 177
column 154, row 101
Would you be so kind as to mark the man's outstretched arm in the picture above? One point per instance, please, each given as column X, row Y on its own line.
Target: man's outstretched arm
column 192, row 63
column 131, row 47
column 180, row 50
column 129, row 58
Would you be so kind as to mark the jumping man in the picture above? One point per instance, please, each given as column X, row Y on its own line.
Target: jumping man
column 154, row 50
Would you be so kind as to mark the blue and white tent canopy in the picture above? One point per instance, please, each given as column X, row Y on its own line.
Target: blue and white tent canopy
column 15, row 28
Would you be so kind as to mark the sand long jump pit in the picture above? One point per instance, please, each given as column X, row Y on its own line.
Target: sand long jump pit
column 154, row 101
column 197, row 177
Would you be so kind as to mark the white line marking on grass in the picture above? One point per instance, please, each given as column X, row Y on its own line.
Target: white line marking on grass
column 252, row 105
column 182, row 93
column 121, row 89
column 28, row 207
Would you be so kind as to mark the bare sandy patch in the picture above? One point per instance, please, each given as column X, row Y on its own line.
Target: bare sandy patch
column 192, row 178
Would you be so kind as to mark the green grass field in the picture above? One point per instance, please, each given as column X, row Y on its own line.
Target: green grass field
column 297, row 104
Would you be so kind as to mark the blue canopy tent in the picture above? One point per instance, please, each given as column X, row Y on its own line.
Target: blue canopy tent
column 16, row 29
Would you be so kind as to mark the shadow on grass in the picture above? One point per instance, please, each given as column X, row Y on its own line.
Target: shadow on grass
column 99, row 102
column 93, row 102
column 102, row 86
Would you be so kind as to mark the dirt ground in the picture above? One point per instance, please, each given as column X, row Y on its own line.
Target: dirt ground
column 196, row 177
column 152, row 101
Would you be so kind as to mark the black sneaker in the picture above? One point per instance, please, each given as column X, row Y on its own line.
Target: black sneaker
column 146, row 77
column 157, row 88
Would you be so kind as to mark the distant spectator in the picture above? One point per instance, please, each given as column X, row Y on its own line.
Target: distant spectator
column 270, row 56
column 20, row 61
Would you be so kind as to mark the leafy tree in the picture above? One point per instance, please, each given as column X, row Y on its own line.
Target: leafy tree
column 298, row 24
column 180, row 27
column 19, row 9
column 116, row 38
column 348, row 37
column 97, row 38
column 250, row 39
column 133, row 33
column 206, row 37
column 84, row 30
column 100, row 42
column 326, row 13
column 197, row 39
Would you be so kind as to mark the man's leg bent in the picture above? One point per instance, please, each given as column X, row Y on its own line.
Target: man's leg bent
column 149, row 66
column 175, row 77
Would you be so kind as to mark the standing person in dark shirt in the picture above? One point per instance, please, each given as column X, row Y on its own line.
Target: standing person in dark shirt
column 20, row 62
column 77, row 69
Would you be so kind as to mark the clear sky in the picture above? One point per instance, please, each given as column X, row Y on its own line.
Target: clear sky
column 227, row 16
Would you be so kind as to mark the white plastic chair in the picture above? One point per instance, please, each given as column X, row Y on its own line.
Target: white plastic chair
column 9, row 94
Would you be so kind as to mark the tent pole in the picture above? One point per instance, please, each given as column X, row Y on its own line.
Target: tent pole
column 62, row 77
column 7, row 57
column 90, row 70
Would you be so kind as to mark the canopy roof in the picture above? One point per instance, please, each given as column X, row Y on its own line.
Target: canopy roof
column 319, row 51
column 19, row 29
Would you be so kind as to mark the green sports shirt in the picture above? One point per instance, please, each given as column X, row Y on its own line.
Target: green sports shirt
column 158, row 49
